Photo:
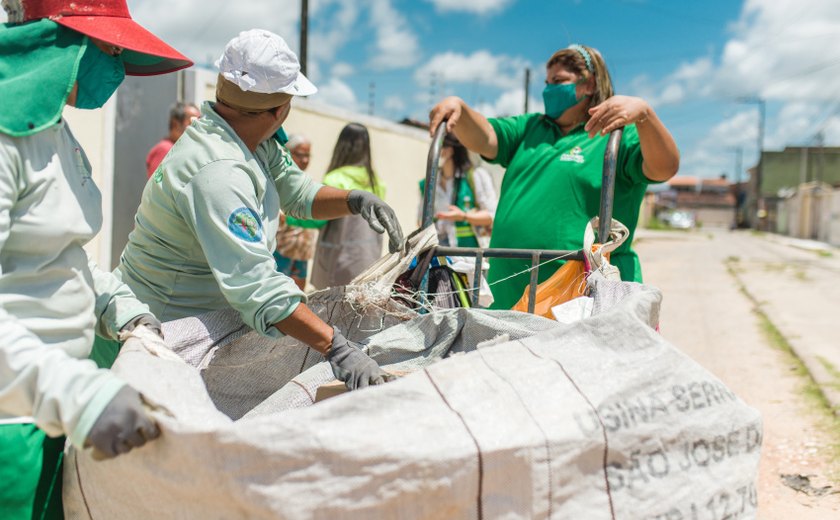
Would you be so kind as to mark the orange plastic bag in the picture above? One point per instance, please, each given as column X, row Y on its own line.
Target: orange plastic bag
column 567, row 283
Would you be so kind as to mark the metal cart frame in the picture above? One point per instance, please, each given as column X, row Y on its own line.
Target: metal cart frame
column 536, row 255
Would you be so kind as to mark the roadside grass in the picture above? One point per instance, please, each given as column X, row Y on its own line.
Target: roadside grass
column 824, row 253
column 797, row 271
column 657, row 224
column 832, row 370
column 828, row 418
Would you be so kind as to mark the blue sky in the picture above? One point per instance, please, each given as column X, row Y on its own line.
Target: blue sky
column 692, row 61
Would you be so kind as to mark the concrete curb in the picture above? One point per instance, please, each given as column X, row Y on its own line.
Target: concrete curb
column 826, row 379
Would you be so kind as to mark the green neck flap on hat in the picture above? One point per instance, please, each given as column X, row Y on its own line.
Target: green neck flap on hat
column 37, row 73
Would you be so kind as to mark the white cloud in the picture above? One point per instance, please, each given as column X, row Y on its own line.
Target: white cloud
column 337, row 93
column 342, row 70
column 511, row 102
column 783, row 51
column 471, row 6
column 200, row 29
column 396, row 45
column 714, row 154
column 479, row 67
column 332, row 23
column 780, row 50
column 394, row 104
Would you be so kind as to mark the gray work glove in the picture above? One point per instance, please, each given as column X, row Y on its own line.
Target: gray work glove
column 351, row 365
column 123, row 424
column 148, row 320
column 379, row 216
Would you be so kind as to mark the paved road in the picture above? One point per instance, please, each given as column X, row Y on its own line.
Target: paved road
column 712, row 282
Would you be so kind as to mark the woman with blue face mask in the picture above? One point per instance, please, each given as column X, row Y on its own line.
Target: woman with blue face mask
column 552, row 185
column 52, row 298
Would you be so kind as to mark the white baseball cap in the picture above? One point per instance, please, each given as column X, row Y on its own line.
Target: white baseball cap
column 261, row 61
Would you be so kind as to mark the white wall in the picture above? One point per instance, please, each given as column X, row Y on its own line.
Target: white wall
column 398, row 152
column 94, row 129
column 832, row 213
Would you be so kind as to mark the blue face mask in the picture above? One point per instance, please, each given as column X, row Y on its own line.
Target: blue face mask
column 559, row 98
column 98, row 77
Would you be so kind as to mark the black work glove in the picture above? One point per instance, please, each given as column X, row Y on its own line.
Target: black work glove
column 379, row 216
column 148, row 320
column 122, row 425
column 351, row 365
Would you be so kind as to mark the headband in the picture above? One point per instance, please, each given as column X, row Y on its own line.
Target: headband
column 584, row 54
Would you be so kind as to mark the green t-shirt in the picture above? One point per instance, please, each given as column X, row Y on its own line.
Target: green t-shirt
column 465, row 200
column 550, row 191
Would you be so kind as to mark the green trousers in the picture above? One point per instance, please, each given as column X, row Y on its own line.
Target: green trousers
column 30, row 472
column 31, row 462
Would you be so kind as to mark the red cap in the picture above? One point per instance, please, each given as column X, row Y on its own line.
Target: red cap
column 110, row 21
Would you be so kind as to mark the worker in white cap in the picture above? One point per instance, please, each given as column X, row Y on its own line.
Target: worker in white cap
column 205, row 230
column 52, row 299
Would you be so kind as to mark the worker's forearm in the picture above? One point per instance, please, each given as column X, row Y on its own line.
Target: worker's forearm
column 479, row 217
column 330, row 203
column 305, row 326
column 661, row 158
column 475, row 132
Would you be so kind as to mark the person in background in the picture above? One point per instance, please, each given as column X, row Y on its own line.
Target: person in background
column 180, row 116
column 465, row 199
column 347, row 246
column 204, row 232
column 52, row 297
column 295, row 237
column 552, row 185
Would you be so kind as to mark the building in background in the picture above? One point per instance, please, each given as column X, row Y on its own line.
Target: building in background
column 686, row 201
column 799, row 192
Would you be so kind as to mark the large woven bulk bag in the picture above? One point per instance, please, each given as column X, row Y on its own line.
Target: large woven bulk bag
column 505, row 415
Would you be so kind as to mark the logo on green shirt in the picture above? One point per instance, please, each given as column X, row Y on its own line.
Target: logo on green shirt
column 245, row 224
column 158, row 175
column 573, row 155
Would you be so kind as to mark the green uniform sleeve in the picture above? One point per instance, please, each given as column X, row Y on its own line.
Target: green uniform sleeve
column 115, row 304
column 297, row 190
column 509, row 134
column 630, row 158
column 306, row 224
column 220, row 206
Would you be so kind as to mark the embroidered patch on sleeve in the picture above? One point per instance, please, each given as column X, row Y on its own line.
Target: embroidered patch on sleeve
column 245, row 224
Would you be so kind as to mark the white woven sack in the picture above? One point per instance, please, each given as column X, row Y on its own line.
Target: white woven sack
column 602, row 419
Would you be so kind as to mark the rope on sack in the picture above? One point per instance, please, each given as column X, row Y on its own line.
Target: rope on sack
column 417, row 296
column 373, row 289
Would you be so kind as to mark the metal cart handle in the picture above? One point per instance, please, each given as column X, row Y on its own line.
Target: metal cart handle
column 605, row 213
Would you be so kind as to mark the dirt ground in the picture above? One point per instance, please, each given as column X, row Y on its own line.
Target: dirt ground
column 708, row 313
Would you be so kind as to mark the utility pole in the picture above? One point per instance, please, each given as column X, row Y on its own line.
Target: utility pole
column 816, row 197
column 304, row 30
column 739, row 194
column 757, row 205
column 527, row 87
column 371, row 97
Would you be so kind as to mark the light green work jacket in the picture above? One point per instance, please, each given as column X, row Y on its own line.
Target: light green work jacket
column 205, row 229
column 51, row 296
